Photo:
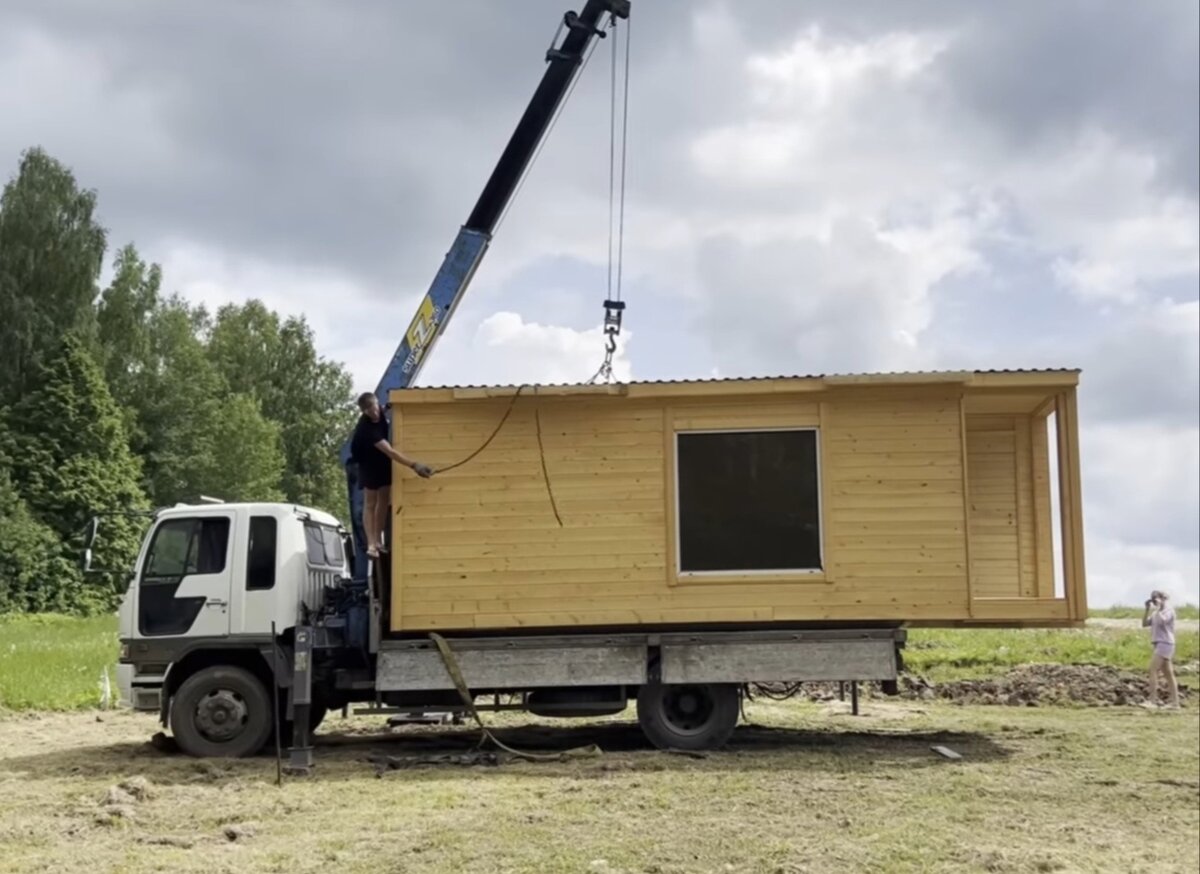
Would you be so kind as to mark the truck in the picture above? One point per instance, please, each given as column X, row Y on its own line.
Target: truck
column 561, row 561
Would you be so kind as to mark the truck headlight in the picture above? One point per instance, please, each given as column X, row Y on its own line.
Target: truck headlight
column 124, row 653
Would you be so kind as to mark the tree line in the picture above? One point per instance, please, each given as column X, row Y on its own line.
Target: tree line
column 120, row 399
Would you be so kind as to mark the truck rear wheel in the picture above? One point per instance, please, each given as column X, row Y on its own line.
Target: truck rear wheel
column 221, row 711
column 699, row 716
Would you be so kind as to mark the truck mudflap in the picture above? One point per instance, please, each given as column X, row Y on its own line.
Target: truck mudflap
column 636, row 659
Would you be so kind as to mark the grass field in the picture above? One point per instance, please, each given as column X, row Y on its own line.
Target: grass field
column 803, row 787
column 57, row 662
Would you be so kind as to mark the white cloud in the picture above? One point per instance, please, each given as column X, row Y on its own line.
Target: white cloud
column 506, row 349
column 1097, row 203
column 1142, row 482
column 1125, row 571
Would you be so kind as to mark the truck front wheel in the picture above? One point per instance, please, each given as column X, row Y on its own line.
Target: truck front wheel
column 221, row 711
column 699, row 716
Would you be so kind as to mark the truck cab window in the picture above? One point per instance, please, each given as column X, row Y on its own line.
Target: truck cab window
column 188, row 546
column 323, row 545
column 180, row 548
column 260, row 554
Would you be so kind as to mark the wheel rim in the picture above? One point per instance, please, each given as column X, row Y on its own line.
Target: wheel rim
column 221, row 715
column 687, row 709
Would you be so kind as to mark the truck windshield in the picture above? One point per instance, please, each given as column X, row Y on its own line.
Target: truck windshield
column 323, row 544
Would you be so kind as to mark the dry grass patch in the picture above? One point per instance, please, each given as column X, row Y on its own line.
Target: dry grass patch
column 803, row 787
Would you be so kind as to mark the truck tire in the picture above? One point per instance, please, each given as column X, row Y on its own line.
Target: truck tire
column 699, row 716
column 221, row 711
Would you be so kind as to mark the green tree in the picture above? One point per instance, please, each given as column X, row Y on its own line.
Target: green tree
column 69, row 460
column 124, row 326
column 27, row 550
column 275, row 360
column 195, row 435
column 51, row 252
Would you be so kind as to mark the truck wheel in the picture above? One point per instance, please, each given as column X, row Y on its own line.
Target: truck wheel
column 698, row 716
column 221, row 711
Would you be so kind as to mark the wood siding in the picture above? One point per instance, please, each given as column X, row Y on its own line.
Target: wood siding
column 480, row 546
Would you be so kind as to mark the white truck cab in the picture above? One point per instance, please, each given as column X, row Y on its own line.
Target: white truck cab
column 218, row 578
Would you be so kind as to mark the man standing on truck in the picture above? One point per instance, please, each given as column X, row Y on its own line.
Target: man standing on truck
column 372, row 451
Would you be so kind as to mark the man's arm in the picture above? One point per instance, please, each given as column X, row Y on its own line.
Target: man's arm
column 1151, row 607
column 398, row 457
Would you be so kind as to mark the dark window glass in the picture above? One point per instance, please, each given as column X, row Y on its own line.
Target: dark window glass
column 180, row 548
column 323, row 545
column 261, row 553
column 748, row 501
column 188, row 546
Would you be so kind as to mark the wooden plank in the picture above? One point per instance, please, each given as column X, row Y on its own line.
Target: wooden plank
column 1020, row 609
column 1078, row 578
column 779, row 662
column 1023, row 499
column 865, row 445
column 670, row 498
column 444, row 579
column 928, row 515
column 437, row 519
column 516, row 668
column 489, row 538
column 964, row 464
column 847, row 432
column 488, row 564
column 565, row 548
column 829, row 553
column 1042, row 509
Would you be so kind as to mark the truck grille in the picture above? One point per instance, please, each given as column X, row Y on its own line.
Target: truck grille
column 318, row 579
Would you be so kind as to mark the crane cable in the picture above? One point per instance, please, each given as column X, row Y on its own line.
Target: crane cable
column 613, row 305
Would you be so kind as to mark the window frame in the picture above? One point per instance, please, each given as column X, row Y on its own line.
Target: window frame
column 678, row 576
column 194, row 522
column 255, row 517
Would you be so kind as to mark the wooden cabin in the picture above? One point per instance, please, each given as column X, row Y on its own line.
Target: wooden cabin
column 921, row 499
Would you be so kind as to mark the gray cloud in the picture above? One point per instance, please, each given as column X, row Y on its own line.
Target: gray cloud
column 358, row 137
column 940, row 210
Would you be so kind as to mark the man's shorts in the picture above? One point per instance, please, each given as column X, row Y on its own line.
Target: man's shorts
column 1164, row 650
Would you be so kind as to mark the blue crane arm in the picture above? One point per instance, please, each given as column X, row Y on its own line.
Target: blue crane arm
column 563, row 62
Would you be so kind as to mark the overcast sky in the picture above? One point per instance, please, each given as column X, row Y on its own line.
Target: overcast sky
column 813, row 187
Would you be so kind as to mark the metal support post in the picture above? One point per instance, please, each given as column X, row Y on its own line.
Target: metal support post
column 854, row 697
column 300, row 754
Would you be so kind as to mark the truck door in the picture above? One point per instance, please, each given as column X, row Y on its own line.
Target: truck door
column 185, row 584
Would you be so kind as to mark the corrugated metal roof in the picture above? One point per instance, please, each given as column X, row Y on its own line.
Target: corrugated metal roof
column 882, row 375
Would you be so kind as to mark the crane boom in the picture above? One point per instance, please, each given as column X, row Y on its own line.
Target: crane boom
column 436, row 308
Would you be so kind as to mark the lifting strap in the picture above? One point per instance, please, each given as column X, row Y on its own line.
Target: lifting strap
column 452, row 668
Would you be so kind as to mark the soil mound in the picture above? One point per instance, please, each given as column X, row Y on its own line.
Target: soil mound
column 1030, row 685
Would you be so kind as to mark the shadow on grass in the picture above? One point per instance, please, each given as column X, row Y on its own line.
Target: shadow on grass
column 349, row 755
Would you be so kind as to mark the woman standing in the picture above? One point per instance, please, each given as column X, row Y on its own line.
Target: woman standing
column 1160, row 619
column 373, row 453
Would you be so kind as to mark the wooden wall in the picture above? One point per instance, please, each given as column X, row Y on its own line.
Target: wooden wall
column 480, row 546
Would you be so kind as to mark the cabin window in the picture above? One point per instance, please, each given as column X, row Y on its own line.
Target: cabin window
column 748, row 501
column 323, row 544
column 261, row 553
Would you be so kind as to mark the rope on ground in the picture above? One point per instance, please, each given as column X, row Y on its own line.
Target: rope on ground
column 460, row 684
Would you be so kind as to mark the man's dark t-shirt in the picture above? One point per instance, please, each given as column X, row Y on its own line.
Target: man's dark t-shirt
column 374, row 468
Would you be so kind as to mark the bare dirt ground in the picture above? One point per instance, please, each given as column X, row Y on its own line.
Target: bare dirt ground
column 803, row 787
